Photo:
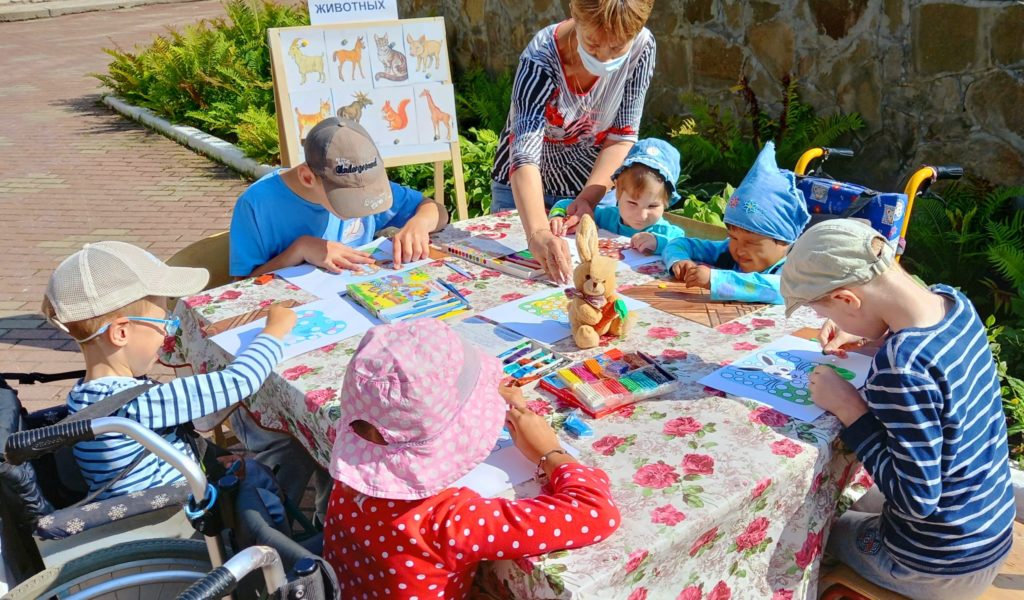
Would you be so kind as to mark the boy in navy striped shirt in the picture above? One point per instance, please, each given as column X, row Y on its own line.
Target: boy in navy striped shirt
column 112, row 298
column 928, row 424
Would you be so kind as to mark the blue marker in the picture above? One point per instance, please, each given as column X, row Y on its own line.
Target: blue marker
column 458, row 270
column 452, row 289
column 516, row 348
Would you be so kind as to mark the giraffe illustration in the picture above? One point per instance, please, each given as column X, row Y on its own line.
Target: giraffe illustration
column 438, row 117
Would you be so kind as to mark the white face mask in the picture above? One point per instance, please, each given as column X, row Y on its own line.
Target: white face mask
column 598, row 68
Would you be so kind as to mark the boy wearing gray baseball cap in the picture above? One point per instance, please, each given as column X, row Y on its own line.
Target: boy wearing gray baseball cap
column 111, row 297
column 928, row 424
column 322, row 209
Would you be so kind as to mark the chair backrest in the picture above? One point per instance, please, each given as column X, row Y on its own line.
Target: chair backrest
column 886, row 211
column 210, row 253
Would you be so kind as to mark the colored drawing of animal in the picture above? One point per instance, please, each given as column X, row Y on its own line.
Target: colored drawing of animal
column 397, row 119
column 313, row 324
column 438, row 117
column 354, row 56
column 354, row 111
column 427, row 52
column 396, row 67
column 307, row 64
column 781, row 374
column 307, row 121
column 549, row 307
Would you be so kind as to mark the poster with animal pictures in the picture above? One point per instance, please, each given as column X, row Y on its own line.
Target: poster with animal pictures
column 349, row 57
column 777, row 375
column 427, row 52
column 393, row 77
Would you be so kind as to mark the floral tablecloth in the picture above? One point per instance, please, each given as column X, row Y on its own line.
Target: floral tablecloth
column 720, row 498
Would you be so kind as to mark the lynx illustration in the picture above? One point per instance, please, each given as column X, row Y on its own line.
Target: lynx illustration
column 307, row 121
column 395, row 66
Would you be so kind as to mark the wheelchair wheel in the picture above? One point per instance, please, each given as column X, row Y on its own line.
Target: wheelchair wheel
column 146, row 570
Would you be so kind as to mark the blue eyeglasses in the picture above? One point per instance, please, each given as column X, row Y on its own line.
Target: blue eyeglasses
column 171, row 325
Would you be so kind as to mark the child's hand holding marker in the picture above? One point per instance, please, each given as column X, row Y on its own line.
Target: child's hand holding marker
column 836, row 395
column 834, row 341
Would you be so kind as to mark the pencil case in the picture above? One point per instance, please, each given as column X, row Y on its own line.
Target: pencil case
column 601, row 385
column 529, row 361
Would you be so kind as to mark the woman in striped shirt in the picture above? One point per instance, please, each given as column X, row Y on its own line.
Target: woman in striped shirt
column 576, row 103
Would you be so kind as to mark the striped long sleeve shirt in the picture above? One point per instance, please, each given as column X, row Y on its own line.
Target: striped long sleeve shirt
column 934, row 440
column 161, row 408
column 561, row 131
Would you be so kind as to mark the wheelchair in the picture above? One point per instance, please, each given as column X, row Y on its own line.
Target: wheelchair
column 228, row 516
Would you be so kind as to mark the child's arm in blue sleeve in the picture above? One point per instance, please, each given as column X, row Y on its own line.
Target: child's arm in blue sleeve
column 695, row 249
column 745, row 287
column 558, row 210
column 900, row 441
column 188, row 398
column 664, row 232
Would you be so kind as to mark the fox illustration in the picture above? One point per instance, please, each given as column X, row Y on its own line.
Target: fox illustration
column 397, row 119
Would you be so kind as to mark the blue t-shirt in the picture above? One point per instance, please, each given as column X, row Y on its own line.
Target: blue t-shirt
column 269, row 217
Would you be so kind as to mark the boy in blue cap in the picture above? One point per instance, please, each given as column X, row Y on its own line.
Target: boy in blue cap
column 764, row 217
column 645, row 185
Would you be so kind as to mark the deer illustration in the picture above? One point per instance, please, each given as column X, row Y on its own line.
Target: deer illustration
column 307, row 64
column 354, row 111
column 438, row 117
column 354, row 56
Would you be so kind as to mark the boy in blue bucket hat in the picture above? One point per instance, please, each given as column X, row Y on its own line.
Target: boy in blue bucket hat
column 764, row 217
column 645, row 185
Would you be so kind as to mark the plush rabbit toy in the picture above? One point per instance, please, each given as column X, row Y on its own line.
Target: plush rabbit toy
column 594, row 307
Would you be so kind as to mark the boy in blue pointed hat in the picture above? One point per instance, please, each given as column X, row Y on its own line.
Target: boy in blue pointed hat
column 645, row 186
column 764, row 217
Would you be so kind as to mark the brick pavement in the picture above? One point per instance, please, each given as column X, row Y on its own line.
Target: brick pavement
column 72, row 171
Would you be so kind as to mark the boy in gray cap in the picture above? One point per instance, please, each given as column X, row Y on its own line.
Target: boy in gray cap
column 928, row 424
column 111, row 297
column 322, row 209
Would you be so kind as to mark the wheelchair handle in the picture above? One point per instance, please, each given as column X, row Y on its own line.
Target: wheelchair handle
column 845, row 152
column 26, row 445
column 949, row 172
column 222, row 581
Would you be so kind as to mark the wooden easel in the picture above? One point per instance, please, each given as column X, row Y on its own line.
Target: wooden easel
column 289, row 135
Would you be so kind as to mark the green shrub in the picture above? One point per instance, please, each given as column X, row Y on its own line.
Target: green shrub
column 719, row 145
column 1011, row 389
column 483, row 99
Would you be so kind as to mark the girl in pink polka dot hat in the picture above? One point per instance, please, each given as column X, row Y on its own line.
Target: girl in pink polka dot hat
column 420, row 408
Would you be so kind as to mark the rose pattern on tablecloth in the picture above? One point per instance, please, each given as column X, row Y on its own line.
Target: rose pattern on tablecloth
column 720, row 497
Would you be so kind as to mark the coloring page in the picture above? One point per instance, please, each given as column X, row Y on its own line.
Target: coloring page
column 348, row 53
column 435, row 111
column 309, row 108
column 777, row 375
column 614, row 246
column 319, row 323
column 389, row 60
column 330, row 285
column 427, row 52
column 305, row 59
column 542, row 316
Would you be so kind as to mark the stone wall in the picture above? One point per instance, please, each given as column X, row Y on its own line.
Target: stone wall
column 935, row 81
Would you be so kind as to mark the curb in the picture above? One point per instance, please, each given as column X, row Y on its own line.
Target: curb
column 56, row 8
column 217, row 149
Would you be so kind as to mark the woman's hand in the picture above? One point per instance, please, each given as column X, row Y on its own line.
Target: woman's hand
column 553, row 255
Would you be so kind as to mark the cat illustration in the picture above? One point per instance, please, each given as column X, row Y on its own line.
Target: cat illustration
column 307, row 121
column 395, row 66
column 397, row 119
column 427, row 52
column 307, row 64
column 354, row 111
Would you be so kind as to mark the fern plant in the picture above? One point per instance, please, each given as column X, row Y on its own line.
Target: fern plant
column 483, row 99
column 720, row 145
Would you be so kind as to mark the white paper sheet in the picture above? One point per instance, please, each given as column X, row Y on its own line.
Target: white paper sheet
column 320, row 323
column 504, row 469
column 776, row 375
column 542, row 316
column 325, row 285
